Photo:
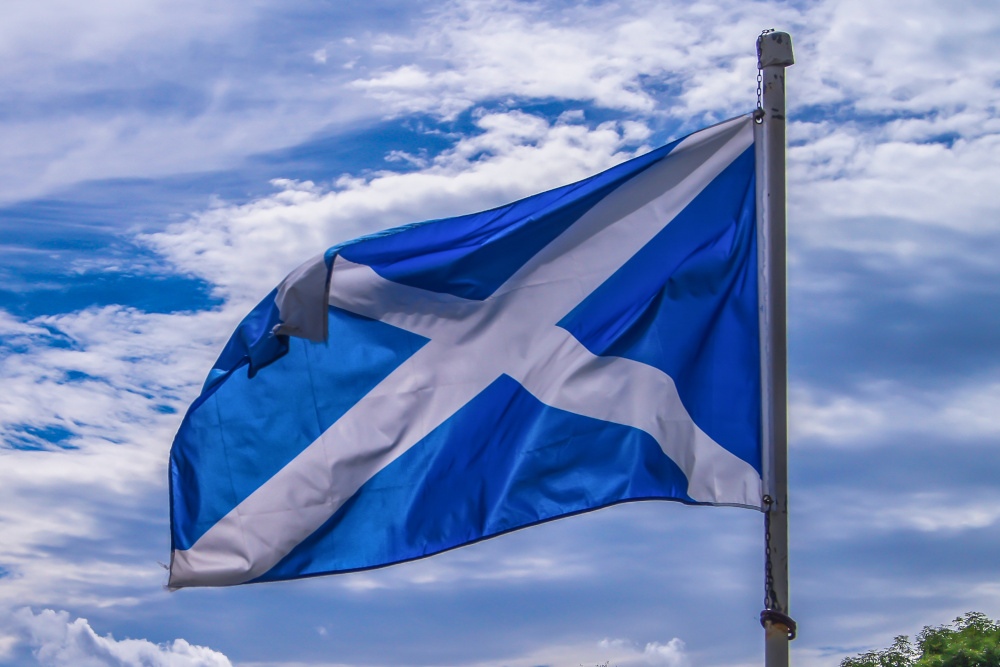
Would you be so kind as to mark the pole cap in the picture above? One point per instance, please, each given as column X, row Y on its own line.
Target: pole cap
column 775, row 48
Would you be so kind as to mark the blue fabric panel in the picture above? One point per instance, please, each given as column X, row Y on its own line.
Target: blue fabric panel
column 504, row 461
column 472, row 255
column 252, row 343
column 687, row 304
column 246, row 430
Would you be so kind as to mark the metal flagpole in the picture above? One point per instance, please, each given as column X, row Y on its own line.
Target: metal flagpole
column 774, row 54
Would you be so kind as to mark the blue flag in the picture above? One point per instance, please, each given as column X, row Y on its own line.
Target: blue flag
column 445, row 382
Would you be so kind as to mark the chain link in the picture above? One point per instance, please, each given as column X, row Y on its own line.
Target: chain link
column 769, row 595
column 760, row 92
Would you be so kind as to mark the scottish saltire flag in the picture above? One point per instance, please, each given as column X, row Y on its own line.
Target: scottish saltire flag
column 441, row 383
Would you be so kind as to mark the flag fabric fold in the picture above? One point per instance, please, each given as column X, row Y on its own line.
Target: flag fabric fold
column 438, row 384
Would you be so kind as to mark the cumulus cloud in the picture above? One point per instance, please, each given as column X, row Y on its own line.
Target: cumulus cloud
column 686, row 62
column 898, row 111
column 898, row 56
column 847, row 172
column 56, row 640
column 245, row 250
column 471, row 51
column 671, row 654
column 889, row 123
column 850, row 52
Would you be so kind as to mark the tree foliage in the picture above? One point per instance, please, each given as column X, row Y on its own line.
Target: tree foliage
column 972, row 640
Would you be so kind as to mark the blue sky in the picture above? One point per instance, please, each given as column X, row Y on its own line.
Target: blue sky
column 166, row 164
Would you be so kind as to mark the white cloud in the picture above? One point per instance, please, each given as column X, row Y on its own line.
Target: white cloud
column 836, row 515
column 878, row 411
column 15, row 331
column 845, row 172
column 115, row 382
column 57, row 641
column 133, row 142
column 670, row 654
column 100, row 371
column 689, row 62
column 616, row 652
column 472, row 51
column 840, row 419
column 468, row 567
column 893, row 57
column 61, row 31
column 890, row 56
column 937, row 512
column 147, row 88
column 916, row 134
column 245, row 250
column 625, row 652
column 896, row 55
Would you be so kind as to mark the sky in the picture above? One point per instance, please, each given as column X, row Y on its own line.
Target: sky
column 165, row 164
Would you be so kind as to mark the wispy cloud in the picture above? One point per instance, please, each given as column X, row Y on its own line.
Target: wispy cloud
column 112, row 384
column 124, row 90
column 872, row 413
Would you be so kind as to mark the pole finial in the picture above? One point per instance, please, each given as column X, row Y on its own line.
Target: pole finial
column 775, row 48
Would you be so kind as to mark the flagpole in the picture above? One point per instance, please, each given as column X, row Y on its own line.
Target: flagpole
column 774, row 50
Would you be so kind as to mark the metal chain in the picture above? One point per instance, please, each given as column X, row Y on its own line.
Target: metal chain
column 769, row 595
column 759, row 115
column 770, row 615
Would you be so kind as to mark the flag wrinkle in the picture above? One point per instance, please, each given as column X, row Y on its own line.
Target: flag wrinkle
column 494, row 390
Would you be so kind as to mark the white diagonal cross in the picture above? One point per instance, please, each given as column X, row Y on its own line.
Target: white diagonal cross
column 472, row 343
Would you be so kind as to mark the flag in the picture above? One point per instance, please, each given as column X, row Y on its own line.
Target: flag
column 441, row 383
